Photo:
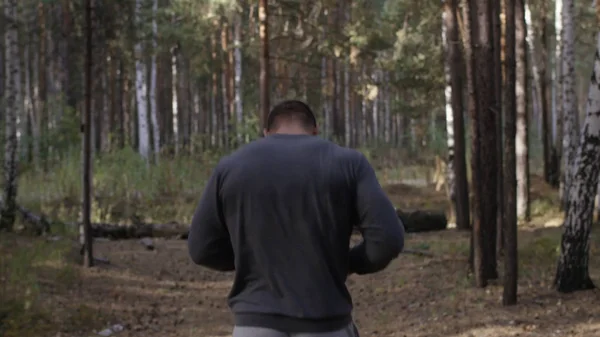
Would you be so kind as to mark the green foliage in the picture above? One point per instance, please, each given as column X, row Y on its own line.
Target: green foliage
column 124, row 187
column 24, row 264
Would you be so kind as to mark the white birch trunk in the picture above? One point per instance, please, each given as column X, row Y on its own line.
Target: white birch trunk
column 536, row 95
column 570, row 115
column 141, row 92
column 175, row 97
column 347, row 97
column 522, row 122
column 153, row 79
column 450, row 171
column 375, row 107
column 237, row 57
column 572, row 272
column 557, row 78
column 27, row 103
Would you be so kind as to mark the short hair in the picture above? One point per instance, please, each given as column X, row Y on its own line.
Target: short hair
column 292, row 111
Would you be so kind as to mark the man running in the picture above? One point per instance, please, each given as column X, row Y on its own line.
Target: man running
column 280, row 212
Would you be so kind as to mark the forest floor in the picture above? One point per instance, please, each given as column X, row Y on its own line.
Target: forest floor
column 161, row 293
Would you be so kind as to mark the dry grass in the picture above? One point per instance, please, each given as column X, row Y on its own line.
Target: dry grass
column 160, row 293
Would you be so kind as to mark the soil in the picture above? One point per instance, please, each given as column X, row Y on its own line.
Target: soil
column 161, row 293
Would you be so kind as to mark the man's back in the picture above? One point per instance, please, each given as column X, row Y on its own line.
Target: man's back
column 288, row 205
column 280, row 212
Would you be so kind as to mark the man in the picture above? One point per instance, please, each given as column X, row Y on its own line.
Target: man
column 280, row 212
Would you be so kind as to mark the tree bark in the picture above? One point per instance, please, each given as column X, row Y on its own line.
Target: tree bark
column 522, row 135
column 85, row 227
column 484, row 143
column 13, row 103
column 572, row 272
column 457, row 168
column 497, row 34
column 263, row 18
column 141, row 91
column 509, row 295
column 153, row 82
column 570, row 115
column 543, row 85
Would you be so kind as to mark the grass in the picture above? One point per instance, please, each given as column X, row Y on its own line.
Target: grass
column 30, row 269
column 126, row 189
column 43, row 289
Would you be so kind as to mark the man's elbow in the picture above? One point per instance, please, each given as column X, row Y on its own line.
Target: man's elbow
column 199, row 256
column 393, row 245
column 211, row 260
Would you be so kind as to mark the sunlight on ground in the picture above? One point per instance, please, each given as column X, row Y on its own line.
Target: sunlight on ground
column 161, row 293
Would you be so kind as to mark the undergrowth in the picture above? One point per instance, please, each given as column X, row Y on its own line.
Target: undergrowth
column 126, row 189
column 26, row 266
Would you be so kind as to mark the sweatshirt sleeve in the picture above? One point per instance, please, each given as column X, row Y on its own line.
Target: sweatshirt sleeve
column 381, row 229
column 209, row 244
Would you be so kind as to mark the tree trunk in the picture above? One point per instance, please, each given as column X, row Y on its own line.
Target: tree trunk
column 570, row 115
column 558, row 101
column 497, row 36
column 572, row 272
column 13, row 110
column 153, row 80
column 263, row 18
column 543, row 86
column 457, row 180
column 484, row 142
column 522, row 143
column 85, row 228
column 509, row 295
column 237, row 44
column 141, row 92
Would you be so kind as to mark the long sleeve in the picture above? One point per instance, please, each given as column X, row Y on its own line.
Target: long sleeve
column 382, row 231
column 209, row 243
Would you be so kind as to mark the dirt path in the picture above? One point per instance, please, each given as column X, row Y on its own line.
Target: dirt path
column 161, row 293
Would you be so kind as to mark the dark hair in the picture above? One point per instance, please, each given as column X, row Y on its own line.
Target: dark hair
column 291, row 110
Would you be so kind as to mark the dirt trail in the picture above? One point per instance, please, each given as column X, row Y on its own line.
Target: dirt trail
column 161, row 293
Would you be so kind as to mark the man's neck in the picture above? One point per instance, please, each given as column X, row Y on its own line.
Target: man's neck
column 290, row 131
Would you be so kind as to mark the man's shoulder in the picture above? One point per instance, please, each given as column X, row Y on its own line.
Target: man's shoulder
column 348, row 154
column 241, row 154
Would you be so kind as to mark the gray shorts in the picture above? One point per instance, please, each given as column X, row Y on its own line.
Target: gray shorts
column 250, row 331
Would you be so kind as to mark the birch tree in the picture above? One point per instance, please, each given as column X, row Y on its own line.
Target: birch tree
column 457, row 170
column 13, row 109
column 557, row 109
column 153, row 79
column 237, row 54
column 141, row 89
column 263, row 18
column 569, row 106
column 573, row 264
column 521, row 143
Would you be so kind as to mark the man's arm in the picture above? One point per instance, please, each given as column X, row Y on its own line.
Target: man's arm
column 382, row 231
column 209, row 244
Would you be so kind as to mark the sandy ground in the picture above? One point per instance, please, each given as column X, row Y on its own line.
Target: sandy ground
column 161, row 293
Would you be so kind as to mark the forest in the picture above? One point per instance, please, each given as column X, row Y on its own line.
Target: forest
column 480, row 117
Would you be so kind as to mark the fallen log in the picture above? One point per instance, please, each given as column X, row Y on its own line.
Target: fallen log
column 36, row 224
column 423, row 220
column 139, row 231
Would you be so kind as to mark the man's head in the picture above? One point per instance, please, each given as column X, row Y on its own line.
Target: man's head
column 291, row 117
